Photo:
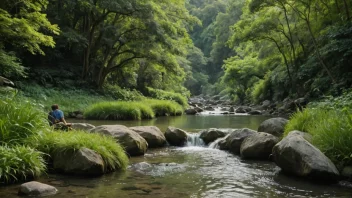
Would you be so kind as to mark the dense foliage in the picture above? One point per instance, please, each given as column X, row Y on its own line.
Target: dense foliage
column 20, row 120
column 290, row 48
column 273, row 49
column 100, row 43
column 20, row 163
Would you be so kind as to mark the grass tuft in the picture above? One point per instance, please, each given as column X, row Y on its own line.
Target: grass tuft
column 20, row 162
column 164, row 107
column 166, row 95
column 119, row 110
column 20, row 120
column 112, row 153
column 301, row 120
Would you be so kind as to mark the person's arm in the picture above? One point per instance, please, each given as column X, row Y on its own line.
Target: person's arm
column 62, row 119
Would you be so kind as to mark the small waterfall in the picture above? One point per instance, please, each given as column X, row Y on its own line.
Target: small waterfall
column 193, row 139
column 215, row 144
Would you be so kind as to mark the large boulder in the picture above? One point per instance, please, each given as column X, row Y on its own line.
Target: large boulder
column 266, row 104
column 301, row 102
column 175, row 136
column 191, row 111
column 255, row 112
column 235, row 139
column 258, row 146
column 80, row 162
column 82, row 126
column 306, row 136
column 133, row 143
column 297, row 156
column 36, row 189
column 210, row 135
column 151, row 134
column 274, row 126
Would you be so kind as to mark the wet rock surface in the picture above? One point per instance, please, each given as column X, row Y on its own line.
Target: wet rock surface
column 297, row 156
column 274, row 126
column 152, row 135
column 175, row 136
column 134, row 143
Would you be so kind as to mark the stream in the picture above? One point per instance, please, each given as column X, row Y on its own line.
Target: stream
column 191, row 171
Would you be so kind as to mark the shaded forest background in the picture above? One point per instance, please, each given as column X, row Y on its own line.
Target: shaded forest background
column 243, row 50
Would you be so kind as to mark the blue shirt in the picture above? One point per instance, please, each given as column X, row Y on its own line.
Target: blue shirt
column 58, row 114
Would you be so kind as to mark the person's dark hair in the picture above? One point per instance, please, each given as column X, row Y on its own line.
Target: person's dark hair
column 54, row 107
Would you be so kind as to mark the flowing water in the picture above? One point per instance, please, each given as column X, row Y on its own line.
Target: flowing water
column 191, row 171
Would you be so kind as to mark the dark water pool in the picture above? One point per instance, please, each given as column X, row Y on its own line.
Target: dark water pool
column 191, row 171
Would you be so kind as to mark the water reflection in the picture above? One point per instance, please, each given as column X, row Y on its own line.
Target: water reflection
column 189, row 122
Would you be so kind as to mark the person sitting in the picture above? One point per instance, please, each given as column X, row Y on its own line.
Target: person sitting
column 56, row 118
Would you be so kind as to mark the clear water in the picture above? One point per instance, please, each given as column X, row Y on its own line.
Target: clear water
column 192, row 171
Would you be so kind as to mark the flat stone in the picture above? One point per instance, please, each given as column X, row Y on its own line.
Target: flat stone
column 34, row 188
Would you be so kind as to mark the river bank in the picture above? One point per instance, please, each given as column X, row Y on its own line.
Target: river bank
column 190, row 172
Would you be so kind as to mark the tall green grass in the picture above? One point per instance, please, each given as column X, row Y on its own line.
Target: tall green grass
column 69, row 100
column 119, row 110
column 331, row 131
column 301, row 120
column 164, row 107
column 166, row 95
column 112, row 153
column 20, row 120
column 19, row 162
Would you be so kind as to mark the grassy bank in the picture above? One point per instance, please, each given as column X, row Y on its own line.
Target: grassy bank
column 57, row 142
column 135, row 110
column 120, row 110
column 26, row 138
column 330, row 124
column 71, row 99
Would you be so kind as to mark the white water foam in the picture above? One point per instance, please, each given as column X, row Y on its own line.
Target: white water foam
column 193, row 139
column 215, row 144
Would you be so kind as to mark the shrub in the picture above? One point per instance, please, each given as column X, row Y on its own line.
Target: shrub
column 119, row 111
column 20, row 162
column 112, row 153
column 118, row 93
column 165, row 95
column 261, row 89
column 164, row 107
column 20, row 120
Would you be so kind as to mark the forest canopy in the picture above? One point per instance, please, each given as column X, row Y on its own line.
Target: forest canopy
column 244, row 50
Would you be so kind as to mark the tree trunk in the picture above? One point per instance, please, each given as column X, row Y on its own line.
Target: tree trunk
column 347, row 10
column 316, row 46
column 285, row 60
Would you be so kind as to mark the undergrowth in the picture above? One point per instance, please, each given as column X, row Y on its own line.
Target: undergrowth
column 330, row 124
